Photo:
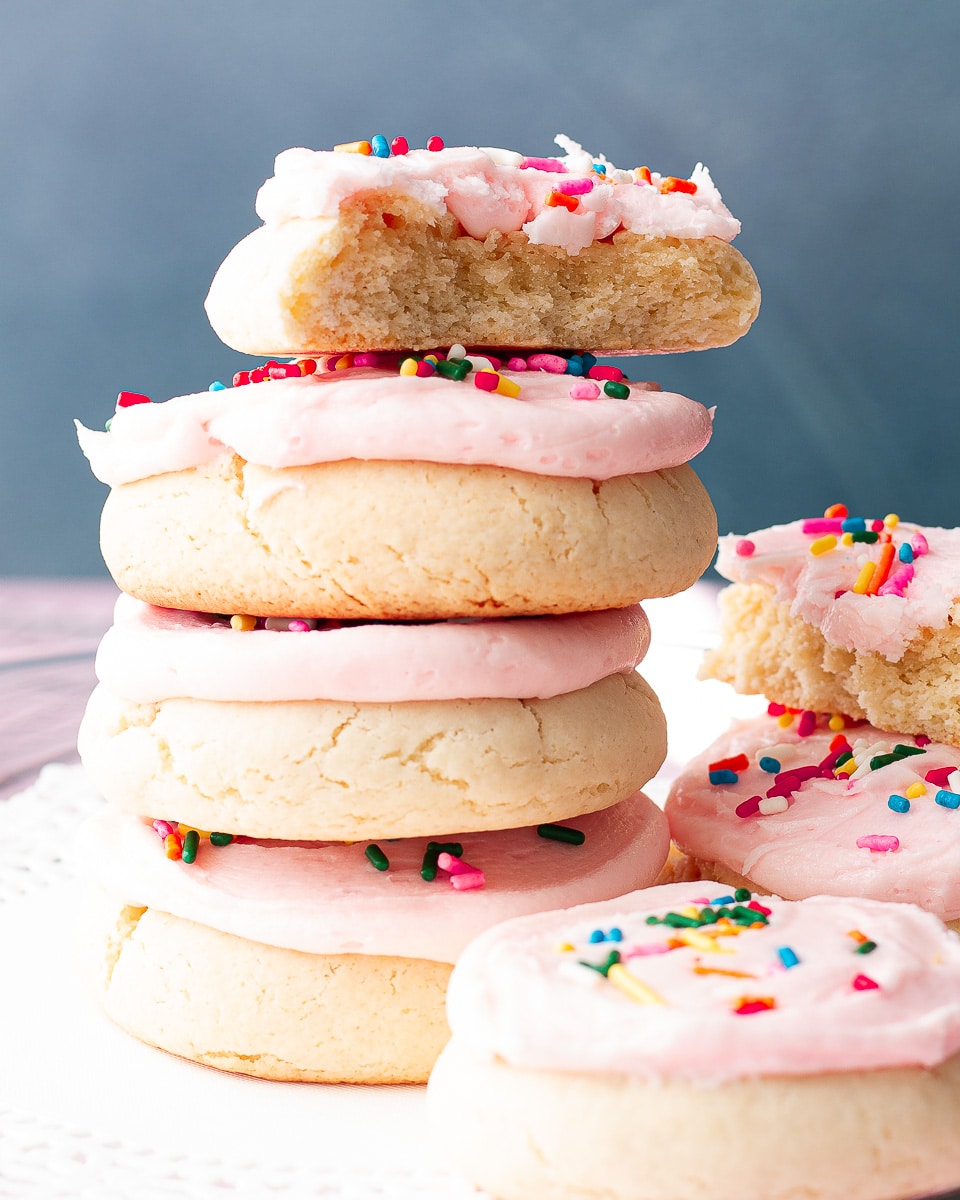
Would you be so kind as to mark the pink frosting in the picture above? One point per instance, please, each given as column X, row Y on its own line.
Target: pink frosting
column 516, row 994
column 489, row 189
column 810, row 583
column 152, row 654
column 372, row 414
column 813, row 845
column 326, row 898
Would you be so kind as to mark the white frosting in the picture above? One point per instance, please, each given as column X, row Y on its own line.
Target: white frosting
column 363, row 413
column 154, row 654
column 490, row 190
column 517, row 996
column 326, row 898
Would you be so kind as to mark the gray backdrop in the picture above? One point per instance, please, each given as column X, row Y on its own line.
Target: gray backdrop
column 135, row 136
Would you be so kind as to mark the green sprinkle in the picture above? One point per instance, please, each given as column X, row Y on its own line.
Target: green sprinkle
column 742, row 894
column 747, row 916
column 905, row 751
column 221, row 839
column 108, row 423
column 428, row 868
column 654, row 921
column 866, row 947
column 882, row 760
column 377, row 857
column 842, row 758
column 458, row 369
column 454, row 848
column 562, row 833
column 869, row 536
column 708, row 916
column 679, row 921
column 619, row 391
column 603, row 967
column 191, row 842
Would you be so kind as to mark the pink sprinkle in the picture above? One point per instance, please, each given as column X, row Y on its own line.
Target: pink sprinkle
column 863, row 983
column 544, row 164
column 298, row 626
column 922, row 740
column 584, row 389
column 466, row 881
column 486, row 381
column 758, row 907
column 881, row 842
column 602, row 372
column 516, row 364
column 164, row 828
column 454, row 865
column 643, row 951
column 748, row 808
column 745, row 547
column 284, row 371
column 776, row 710
column 365, row 359
column 897, row 582
column 547, row 362
column 399, row 145
column 919, row 545
column 877, row 525
column 822, row 525
column 575, row 187
column 751, row 1006
column 807, row 723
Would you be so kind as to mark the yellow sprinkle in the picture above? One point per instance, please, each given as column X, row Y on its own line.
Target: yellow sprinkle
column 847, row 539
column 856, row 935
column 354, row 148
column 785, row 720
column 837, row 722
column 408, row 366
column 700, row 970
column 846, row 768
column 891, row 520
column 431, row 358
column 633, row 987
column 702, row 941
column 563, row 947
column 507, row 387
column 344, row 361
column 185, row 829
column 690, row 910
column 823, row 544
column 915, row 790
column 863, row 579
column 243, row 623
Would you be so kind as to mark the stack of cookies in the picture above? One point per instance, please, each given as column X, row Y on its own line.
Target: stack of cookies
column 371, row 685
column 850, row 784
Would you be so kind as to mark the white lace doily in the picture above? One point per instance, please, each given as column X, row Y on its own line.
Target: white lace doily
column 86, row 1112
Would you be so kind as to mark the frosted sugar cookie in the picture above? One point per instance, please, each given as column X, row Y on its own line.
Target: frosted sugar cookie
column 802, row 809
column 318, row 961
column 370, row 730
column 686, row 1043
column 366, row 492
column 846, row 614
column 364, row 250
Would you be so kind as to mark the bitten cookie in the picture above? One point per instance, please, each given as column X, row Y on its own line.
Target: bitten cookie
column 370, row 730
column 325, row 962
column 431, row 247
column 846, row 614
column 801, row 809
column 687, row 1044
column 364, row 492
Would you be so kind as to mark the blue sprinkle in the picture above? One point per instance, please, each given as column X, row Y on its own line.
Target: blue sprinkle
column 899, row 804
column 615, row 935
column 217, row 386
column 380, row 146
column 597, row 936
column 717, row 777
column 905, row 553
column 787, row 956
column 854, row 525
column 600, row 168
column 724, row 900
column 947, row 799
column 769, row 764
column 575, row 365
column 589, row 360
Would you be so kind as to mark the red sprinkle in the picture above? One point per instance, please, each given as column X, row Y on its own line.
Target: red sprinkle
column 399, row 146
column 863, row 983
column 129, row 399
column 745, row 547
column 749, row 808
column 241, row 378
column 938, row 776
column 739, row 762
column 602, row 372
column 761, row 1004
column 435, row 143
column 776, row 710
